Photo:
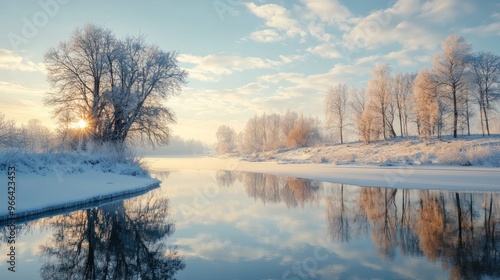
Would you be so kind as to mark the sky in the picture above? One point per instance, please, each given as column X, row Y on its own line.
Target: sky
column 243, row 58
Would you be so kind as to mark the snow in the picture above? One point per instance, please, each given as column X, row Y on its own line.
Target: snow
column 49, row 182
column 463, row 164
column 36, row 194
column 469, row 151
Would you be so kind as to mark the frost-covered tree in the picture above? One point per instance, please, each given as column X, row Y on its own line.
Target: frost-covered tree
column 426, row 103
column 287, row 124
column 36, row 137
column 402, row 89
column 304, row 133
column 118, row 86
column 273, row 127
column 252, row 138
column 450, row 71
column 380, row 100
column 485, row 72
column 357, row 105
column 336, row 103
column 226, row 139
column 8, row 135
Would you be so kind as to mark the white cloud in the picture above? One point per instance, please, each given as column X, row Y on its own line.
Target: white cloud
column 9, row 60
column 403, row 57
column 327, row 50
column 492, row 29
column 317, row 30
column 330, row 11
column 9, row 88
column 384, row 27
column 266, row 36
column 405, row 7
column 367, row 59
column 278, row 18
column 292, row 58
column 445, row 10
column 211, row 67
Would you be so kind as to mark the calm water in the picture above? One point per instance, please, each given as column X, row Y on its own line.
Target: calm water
column 225, row 225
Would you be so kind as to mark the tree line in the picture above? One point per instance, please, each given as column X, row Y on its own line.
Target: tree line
column 461, row 87
column 269, row 132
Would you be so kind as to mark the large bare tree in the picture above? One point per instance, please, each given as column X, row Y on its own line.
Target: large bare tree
column 336, row 109
column 450, row 70
column 485, row 75
column 118, row 86
column 402, row 90
column 380, row 98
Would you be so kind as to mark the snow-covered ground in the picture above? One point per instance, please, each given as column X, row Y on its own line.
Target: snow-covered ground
column 467, row 164
column 463, row 151
column 46, row 182
column 36, row 194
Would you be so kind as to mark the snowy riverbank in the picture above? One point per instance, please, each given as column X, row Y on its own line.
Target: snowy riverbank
column 464, row 151
column 36, row 194
column 46, row 182
column 466, row 164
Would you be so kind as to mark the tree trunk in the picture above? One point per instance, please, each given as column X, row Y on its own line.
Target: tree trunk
column 455, row 112
column 486, row 121
column 481, row 117
column 467, row 115
column 341, row 135
column 400, row 122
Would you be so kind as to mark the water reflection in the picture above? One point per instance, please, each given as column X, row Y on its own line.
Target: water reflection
column 256, row 226
column 273, row 189
column 124, row 240
column 459, row 230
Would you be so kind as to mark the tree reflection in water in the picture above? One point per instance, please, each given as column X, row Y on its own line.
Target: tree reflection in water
column 123, row 240
column 459, row 230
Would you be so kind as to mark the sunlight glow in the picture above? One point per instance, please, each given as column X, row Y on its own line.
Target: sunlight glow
column 81, row 124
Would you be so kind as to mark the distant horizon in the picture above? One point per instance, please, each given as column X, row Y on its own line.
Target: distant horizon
column 243, row 58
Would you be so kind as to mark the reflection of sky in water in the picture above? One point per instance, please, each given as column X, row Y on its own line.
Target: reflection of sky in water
column 255, row 226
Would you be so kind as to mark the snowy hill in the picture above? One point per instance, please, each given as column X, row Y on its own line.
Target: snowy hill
column 465, row 151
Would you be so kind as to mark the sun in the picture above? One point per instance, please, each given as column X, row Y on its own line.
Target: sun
column 81, row 124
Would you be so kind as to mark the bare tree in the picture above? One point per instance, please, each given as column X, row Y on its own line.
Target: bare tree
column 226, row 139
column 7, row 132
column 380, row 99
column 485, row 68
column 450, row 71
column 252, row 140
column 367, row 124
column 77, row 71
column 273, row 126
column 336, row 109
column 402, row 90
column 117, row 86
column 426, row 104
column 287, row 124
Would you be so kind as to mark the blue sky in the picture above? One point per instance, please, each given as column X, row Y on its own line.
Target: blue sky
column 244, row 58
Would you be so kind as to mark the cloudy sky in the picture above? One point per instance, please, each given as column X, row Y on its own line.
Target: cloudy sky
column 243, row 58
